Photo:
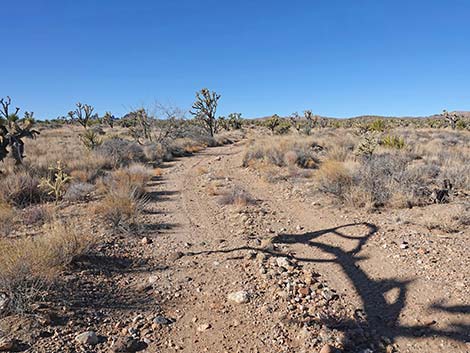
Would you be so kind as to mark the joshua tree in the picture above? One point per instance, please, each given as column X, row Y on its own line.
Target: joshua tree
column 235, row 121
column 273, row 122
column 295, row 121
column 12, row 131
column 204, row 109
column 139, row 124
column 109, row 119
column 451, row 118
column 83, row 114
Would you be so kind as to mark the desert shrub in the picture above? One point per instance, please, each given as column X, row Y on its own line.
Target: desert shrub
column 377, row 181
column 157, row 152
column 389, row 177
column 78, row 191
column 124, row 195
column 121, row 206
column 184, row 146
column 391, row 141
column 21, row 189
column 461, row 125
column 37, row 215
column 378, row 125
column 283, row 128
column 88, row 167
column 334, row 178
column 7, row 218
column 91, row 139
column 367, row 145
column 282, row 152
column 30, row 265
column 236, row 196
column 134, row 177
column 121, row 152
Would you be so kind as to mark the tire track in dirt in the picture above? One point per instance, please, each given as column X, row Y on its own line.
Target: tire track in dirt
column 203, row 267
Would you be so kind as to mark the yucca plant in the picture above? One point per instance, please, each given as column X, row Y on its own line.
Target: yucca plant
column 391, row 141
column 91, row 139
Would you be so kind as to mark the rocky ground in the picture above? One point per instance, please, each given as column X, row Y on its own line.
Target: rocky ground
column 279, row 269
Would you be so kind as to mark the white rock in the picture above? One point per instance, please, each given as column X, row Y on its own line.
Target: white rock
column 87, row 338
column 240, row 297
column 283, row 262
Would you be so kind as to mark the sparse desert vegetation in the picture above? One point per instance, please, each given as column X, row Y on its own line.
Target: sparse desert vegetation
column 93, row 209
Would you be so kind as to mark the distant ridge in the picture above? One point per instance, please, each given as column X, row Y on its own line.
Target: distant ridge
column 465, row 114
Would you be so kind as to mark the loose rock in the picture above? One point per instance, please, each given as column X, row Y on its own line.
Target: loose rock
column 87, row 338
column 240, row 297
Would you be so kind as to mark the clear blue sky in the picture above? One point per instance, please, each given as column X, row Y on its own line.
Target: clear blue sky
column 337, row 57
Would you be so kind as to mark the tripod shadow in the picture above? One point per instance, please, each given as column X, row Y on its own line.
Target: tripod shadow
column 381, row 313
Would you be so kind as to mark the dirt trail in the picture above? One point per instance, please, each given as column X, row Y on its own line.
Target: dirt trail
column 210, row 249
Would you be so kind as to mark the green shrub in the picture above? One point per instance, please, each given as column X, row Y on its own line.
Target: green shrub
column 391, row 141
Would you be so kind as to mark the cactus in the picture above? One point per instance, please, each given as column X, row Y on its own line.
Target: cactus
column 55, row 185
column 205, row 107
column 12, row 131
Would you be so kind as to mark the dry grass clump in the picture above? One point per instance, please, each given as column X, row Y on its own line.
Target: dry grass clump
column 121, row 206
column 120, row 152
column 37, row 215
column 88, row 167
column 282, row 152
column 21, row 189
column 29, row 265
column 124, row 195
column 135, row 177
column 457, row 220
column 7, row 218
column 237, row 197
column 377, row 181
column 334, row 178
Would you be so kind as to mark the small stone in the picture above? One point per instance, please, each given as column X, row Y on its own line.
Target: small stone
column 161, row 320
column 299, row 228
column 127, row 345
column 240, row 297
column 404, row 245
column 4, row 301
column 326, row 349
column 283, row 262
column 203, row 327
column 88, row 338
column 304, row 291
column 146, row 240
column 176, row 256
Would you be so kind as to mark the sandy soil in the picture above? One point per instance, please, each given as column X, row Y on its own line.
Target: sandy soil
column 307, row 274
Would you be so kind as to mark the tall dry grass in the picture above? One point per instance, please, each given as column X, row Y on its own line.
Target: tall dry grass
column 31, row 264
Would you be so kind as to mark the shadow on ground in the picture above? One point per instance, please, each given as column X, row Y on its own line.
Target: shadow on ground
column 379, row 313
